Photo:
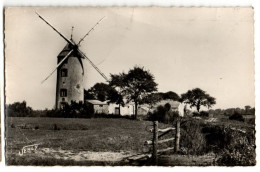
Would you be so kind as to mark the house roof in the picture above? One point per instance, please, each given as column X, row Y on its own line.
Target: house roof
column 96, row 102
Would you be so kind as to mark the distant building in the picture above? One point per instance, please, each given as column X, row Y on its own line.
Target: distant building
column 142, row 110
column 116, row 109
column 129, row 108
column 98, row 106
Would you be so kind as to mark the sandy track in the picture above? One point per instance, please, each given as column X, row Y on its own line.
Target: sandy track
column 82, row 155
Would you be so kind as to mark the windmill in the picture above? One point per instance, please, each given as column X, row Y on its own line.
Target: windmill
column 70, row 70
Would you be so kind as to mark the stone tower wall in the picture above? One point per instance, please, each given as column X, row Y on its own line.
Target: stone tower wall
column 72, row 83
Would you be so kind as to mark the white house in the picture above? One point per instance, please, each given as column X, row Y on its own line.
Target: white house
column 127, row 109
column 99, row 107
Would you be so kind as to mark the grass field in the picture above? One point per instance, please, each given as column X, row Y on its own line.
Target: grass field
column 95, row 135
column 78, row 134
column 96, row 141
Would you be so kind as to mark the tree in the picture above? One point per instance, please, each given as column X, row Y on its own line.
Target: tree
column 152, row 99
column 134, row 85
column 197, row 98
column 19, row 109
column 88, row 95
column 102, row 92
column 247, row 108
column 99, row 91
column 171, row 95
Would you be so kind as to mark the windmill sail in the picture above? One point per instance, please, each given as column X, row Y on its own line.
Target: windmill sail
column 70, row 42
column 95, row 67
column 74, row 48
column 58, row 65
column 90, row 30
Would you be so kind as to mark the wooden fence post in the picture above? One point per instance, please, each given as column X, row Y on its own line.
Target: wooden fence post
column 155, row 142
column 178, row 134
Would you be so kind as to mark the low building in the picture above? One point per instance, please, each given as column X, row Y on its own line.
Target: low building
column 142, row 110
column 99, row 106
column 116, row 109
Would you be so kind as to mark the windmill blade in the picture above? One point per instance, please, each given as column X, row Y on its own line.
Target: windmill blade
column 97, row 69
column 70, row 42
column 58, row 65
column 90, row 30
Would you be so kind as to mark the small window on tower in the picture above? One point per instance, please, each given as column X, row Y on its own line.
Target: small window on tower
column 63, row 92
column 64, row 72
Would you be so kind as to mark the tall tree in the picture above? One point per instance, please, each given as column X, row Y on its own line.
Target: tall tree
column 152, row 99
column 197, row 98
column 135, row 85
column 171, row 95
column 102, row 92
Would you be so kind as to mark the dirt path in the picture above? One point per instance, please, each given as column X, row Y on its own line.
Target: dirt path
column 82, row 155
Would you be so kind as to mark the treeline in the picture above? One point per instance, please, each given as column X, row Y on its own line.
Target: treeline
column 74, row 110
column 248, row 110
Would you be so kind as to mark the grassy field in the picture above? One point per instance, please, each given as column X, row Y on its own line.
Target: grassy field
column 78, row 134
column 96, row 141
column 96, row 135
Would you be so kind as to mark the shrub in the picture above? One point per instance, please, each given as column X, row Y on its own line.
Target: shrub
column 195, row 114
column 215, row 138
column 237, row 116
column 201, row 114
column 238, row 157
column 251, row 121
column 204, row 114
column 192, row 139
column 239, row 150
column 18, row 109
column 74, row 110
column 163, row 114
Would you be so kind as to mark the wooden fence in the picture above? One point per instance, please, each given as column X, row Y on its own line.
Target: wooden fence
column 158, row 133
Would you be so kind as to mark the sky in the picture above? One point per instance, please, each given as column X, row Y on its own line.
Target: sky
column 184, row 48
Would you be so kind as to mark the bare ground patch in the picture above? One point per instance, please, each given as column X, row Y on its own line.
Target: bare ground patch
column 82, row 155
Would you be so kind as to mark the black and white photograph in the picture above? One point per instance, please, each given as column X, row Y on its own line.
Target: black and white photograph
column 129, row 86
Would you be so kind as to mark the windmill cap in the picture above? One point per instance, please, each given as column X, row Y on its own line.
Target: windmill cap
column 66, row 50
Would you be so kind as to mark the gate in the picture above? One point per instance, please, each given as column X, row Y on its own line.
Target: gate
column 158, row 133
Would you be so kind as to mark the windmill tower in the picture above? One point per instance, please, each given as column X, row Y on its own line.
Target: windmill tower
column 70, row 76
column 70, row 70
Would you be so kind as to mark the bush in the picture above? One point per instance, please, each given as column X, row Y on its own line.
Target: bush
column 238, row 157
column 251, row 121
column 204, row 114
column 231, row 145
column 163, row 114
column 237, row 116
column 201, row 114
column 74, row 110
column 18, row 109
column 216, row 138
column 192, row 138
column 195, row 114
column 239, row 150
